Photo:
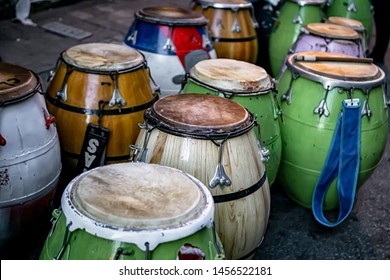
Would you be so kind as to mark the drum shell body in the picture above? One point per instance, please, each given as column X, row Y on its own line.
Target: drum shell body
column 84, row 92
column 30, row 165
column 311, row 42
column 264, row 108
column 85, row 246
column 306, row 137
column 286, row 32
column 168, row 65
column 241, row 45
column 241, row 223
column 363, row 12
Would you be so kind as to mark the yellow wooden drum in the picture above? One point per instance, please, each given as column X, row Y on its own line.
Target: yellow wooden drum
column 232, row 26
column 98, row 95
column 212, row 138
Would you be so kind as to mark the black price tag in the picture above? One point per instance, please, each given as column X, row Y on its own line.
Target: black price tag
column 93, row 152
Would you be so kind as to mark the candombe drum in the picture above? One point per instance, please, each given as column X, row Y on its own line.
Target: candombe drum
column 172, row 40
column 98, row 95
column 311, row 95
column 253, row 88
column 232, row 26
column 355, row 25
column 330, row 38
column 134, row 211
column 354, row 9
column 212, row 138
column 30, row 161
column 293, row 15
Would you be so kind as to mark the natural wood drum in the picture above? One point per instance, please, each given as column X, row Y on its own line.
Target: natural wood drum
column 232, row 28
column 105, row 85
column 212, row 138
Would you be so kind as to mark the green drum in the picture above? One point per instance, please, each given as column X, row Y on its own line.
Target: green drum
column 311, row 95
column 134, row 211
column 293, row 15
column 354, row 9
column 250, row 86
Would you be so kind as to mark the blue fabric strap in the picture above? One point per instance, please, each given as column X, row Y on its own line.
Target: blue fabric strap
column 343, row 159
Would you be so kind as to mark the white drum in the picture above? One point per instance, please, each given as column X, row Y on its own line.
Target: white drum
column 30, row 162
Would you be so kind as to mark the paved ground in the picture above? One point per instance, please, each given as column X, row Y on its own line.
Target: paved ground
column 292, row 232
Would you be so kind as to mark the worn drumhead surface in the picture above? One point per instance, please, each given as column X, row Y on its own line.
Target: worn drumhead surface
column 231, row 75
column 200, row 112
column 172, row 15
column 330, row 30
column 336, row 69
column 16, row 82
column 348, row 22
column 130, row 195
column 102, row 56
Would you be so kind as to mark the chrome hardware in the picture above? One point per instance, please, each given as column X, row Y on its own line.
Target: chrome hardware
column 134, row 153
column 298, row 20
column 116, row 98
column 169, row 44
column 264, row 152
column 352, row 7
column 206, row 42
column 322, row 108
column 220, row 176
column 235, row 27
column 62, row 93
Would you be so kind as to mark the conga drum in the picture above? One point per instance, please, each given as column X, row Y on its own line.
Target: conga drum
column 293, row 15
column 30, row 161
column 330, row 38
column 172, row 40
column 212, row 138
column 232, row 26
column 311, row 95
column 98, row 95
column 134, row 211
column 253, row 88
column 354, row 9
column 355, row 25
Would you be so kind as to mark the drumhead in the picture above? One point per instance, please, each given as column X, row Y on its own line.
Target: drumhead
column 348, row 22
column 137, row 196
column 17, row 83
column 171, row 15
column 193, row 113
column 139, row 203
column 353, row 72
column 102, row 57
column 228, row 4
column 330, row 30
column 231, row 75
